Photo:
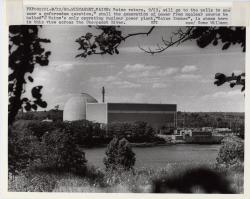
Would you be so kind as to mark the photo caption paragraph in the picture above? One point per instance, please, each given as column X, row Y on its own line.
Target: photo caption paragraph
column 124, row 16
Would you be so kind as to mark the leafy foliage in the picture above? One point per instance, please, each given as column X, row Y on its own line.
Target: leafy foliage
column 91, row 134
column 233, row 80
column 22, row 150
column 59, row 151
column 119, row 155
column 137, row 132
column 228, row 36
column 45, row 146
column 85, row 132
column 107, row 42
column 38, row 129
column 25, row 51
column 40, row 115
column 231, row 152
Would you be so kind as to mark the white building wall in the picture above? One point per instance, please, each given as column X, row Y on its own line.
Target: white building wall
column 97, row 112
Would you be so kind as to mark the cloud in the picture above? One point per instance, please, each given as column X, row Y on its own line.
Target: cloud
column 136, row 98
column 106, row 79
column 189, row 68
column 167, row 71
column 139, row 97
column 42, row 76
column 61, row 99
column 223, row 94
column 238, row 72
column 131, row 49
column 61, row 66
column 150, row 80
column 226, row 94
column 140, row 74
column 138, row 67
column 141, row 70
column 114, row 81
column 138, row 49
column 187, row 77
column 126, row 84
column 64, row 67
column 159, row 85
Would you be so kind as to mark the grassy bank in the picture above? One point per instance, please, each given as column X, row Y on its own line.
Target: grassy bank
column 137, row 181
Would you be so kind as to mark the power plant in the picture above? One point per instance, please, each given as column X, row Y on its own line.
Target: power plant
column 75, row 107
column 86, row 107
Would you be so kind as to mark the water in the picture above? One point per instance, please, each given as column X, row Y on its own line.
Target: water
column 159, row 156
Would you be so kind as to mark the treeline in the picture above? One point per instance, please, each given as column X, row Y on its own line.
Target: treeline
column 53, row 114
column 211, row 119
column 91, row 134
column 184, row 119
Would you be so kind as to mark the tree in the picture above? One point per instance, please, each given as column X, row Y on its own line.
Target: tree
column 25, row 51
column 119, row 155
column 110, row 38
column 59, row 151
column 107, row 42
column 231, row 151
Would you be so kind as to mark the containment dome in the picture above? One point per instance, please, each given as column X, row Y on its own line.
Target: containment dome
column 75, row 107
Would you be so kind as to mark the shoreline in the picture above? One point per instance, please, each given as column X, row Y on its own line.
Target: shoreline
column 153, row 144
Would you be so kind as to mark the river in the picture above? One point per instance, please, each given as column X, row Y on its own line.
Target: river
column 159, row 156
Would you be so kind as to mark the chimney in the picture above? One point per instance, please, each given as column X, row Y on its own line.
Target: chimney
column 103, row 94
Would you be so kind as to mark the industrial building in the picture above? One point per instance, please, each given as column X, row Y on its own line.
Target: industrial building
column 75, row 107
column 195, row 136
column 84, row 106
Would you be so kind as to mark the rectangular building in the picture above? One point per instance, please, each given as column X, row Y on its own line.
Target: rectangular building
column 156, row 115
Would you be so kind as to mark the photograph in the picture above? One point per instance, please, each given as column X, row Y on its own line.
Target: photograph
column 126, row 109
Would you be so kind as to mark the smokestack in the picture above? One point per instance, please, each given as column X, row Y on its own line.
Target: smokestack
column 103, row 94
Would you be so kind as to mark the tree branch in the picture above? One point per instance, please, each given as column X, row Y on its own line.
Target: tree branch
column 183, row 36
column 105, row 43
column 139, row 33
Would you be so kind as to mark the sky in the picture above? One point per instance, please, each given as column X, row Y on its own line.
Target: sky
column 182, row 75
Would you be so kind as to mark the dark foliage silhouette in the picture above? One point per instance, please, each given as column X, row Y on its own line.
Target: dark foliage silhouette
column 25, row 51
column 107, row 42
column 233, row 80
column 203, row 179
